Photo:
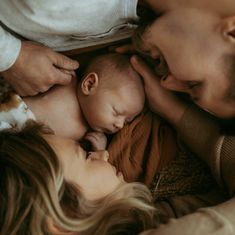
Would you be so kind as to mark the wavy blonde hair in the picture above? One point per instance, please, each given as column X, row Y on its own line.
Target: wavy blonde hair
column 32, row 189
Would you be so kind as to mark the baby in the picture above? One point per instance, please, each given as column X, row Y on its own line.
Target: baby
column 108, row 95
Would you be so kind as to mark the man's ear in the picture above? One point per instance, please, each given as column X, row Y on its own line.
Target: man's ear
column 228, row 28
column 90, row 83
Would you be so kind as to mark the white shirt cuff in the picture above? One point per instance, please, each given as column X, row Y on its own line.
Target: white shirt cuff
column 131, row 9
column 10, row 49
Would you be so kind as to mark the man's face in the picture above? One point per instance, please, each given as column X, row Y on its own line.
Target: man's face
column 190, row 42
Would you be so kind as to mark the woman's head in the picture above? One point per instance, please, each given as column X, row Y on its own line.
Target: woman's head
column 34, row 191
column 93, row 173
column 30, row 176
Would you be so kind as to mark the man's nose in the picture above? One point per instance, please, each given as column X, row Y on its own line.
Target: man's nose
column 171, row 83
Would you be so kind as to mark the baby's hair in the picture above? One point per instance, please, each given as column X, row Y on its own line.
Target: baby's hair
column 107, row 65
column 111, row 61
column 33, row 190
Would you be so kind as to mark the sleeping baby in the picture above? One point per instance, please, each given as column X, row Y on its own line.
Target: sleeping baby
column 108, row 95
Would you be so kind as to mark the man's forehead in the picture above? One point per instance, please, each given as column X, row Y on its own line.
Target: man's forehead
column 161, row 6
column 147, row 39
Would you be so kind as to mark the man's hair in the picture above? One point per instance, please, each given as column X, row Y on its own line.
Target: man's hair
column 33, row 190
column 147, row 18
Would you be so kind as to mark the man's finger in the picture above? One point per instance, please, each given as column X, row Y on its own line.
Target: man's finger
column 27, row 92
column 127, row 48
column 62, row 78
column 64, row 62
column 143, row 69
column 69, row 72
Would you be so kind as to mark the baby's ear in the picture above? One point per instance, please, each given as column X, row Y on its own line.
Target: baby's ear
column 228, row 28
column 90, row 83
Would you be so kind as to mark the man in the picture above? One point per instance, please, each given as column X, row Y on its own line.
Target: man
column 196, row 41
column 202, row 134
column 32, row 32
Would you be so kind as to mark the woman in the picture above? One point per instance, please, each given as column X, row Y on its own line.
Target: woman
column 50, row 185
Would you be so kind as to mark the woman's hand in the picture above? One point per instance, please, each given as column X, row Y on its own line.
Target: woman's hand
column 161, row 101
column 98, row 140
column 38, row 68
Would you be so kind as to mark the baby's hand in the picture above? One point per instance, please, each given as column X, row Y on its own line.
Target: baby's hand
column 98, row 140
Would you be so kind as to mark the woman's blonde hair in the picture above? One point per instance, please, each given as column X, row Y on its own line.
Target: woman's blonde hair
column 33, row 190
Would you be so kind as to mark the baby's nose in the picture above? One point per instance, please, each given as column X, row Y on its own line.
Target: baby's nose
column 119, row 123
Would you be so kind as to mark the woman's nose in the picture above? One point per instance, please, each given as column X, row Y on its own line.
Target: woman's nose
column 103, row 155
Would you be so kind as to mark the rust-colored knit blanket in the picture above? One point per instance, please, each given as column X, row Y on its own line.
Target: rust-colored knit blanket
column 142, row 147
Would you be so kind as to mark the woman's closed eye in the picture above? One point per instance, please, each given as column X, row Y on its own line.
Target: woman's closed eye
column 88, row 154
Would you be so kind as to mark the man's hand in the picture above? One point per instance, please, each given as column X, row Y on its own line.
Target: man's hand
column 98, row 140
column 123, row 49
column 160, row 100
column 37, row 68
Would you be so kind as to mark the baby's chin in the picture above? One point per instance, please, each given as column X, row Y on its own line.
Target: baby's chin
column 110, row 132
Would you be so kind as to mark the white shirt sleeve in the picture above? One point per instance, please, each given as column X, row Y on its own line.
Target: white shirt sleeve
column 10, row 48
column 217, row 220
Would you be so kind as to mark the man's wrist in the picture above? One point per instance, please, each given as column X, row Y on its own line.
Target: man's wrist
column 175, row 113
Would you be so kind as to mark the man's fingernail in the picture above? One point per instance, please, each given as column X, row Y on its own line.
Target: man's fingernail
column 135, row 58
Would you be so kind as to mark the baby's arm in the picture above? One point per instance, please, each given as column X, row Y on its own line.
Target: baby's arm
column 98, row 140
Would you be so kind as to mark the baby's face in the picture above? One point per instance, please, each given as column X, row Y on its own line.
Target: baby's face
column 109, row 110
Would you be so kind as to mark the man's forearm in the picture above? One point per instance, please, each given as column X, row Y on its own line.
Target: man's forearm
column 217, row 220
column 9, row 48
